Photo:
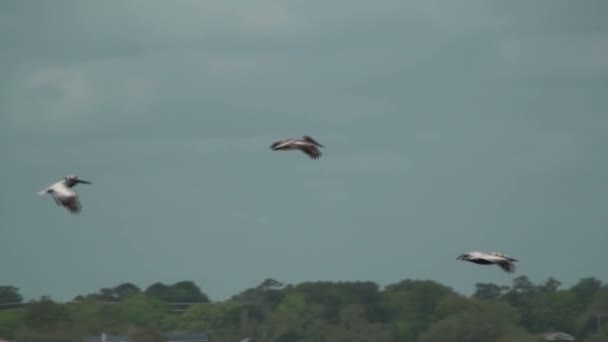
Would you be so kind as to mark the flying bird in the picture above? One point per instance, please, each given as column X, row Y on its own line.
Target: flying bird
column 506, row 263
column 305, row 144
column 64, row 195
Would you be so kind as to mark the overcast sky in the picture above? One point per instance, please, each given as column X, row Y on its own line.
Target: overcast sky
column 449, row 126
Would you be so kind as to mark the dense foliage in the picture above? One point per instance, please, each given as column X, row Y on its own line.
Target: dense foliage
column 410, row 310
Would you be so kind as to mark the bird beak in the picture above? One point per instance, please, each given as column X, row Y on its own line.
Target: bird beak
column 83, row 181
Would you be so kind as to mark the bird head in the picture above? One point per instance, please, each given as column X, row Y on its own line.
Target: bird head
column 464, row 256
column 73, row 180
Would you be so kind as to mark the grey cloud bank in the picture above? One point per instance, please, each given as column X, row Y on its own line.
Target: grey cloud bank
column 449, row 127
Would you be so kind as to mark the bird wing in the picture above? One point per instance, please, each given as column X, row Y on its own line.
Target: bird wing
column 51, row 188
column 502, row 261
column 67, row 199
column 311, row 150
column 493, row 257
column 462, row 256
column 73, row 205
column 506, row 265
column 311, row 140
column 502, row 255
column 281, row 143
column 475, row 255
column 43, row 192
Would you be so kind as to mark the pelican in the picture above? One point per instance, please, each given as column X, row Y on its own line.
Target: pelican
column 503, row 261
column 64, row 195
column 305, row 144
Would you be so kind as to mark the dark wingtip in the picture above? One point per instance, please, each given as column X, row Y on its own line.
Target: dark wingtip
column 507, row 267
column 311, row 140
column 274, row 144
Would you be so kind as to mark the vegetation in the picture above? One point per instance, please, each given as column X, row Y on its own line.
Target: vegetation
column 410, row 310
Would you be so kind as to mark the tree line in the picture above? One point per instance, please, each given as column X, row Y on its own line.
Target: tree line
column 409, row 310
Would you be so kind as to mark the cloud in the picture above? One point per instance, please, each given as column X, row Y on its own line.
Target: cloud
column 184, row 98
column 285, row 60
column 59, row 93
column 54, row 94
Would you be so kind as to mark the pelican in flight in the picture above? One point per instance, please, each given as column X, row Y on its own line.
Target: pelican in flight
column 305, row 144
column 506, row 263
column 64, row 195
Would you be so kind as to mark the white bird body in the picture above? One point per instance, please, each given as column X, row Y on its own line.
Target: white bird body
column 64, row 195
column 305, row 144
column 505, row 262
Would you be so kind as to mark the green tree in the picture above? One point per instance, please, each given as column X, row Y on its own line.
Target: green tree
column 159, row 291
column 410, row 310
column 125, row 290
column 269, row 283
column 355, row 326
column 10, row 294
column 411, row 306
column 544, row 307
column 114, row 294
column 289, row 336
column 334, row 296
column 585, row 289
column 550, row 285
column 143, row 311
column 220, row 320
column 477, row 322
column 45, row 314
column 180, row 292
column 10, row 322
column 147, row 335
column 595, row 317
column 488, row 291
column 257, row 303
column 601, row 336
column 46, row 321
column 188, row 292
column 522, row 284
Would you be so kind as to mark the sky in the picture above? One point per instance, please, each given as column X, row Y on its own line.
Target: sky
column 448, row 126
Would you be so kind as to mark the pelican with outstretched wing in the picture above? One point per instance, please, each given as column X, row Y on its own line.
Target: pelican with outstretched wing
column 305, row 144
column 64, row 195
column 506, row 263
